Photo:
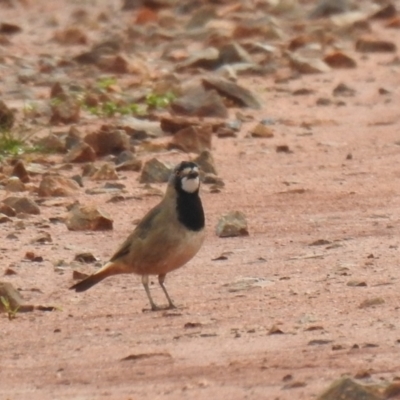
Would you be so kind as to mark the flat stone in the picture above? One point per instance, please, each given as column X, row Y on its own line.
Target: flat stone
column 155, row 171
column 193, row 139
column 57, row 186
column 88, row 218
column 22, row 205
column 81, row 153
column 238, row 94
column 232, row 224
column 108, row 140
column 348, row 389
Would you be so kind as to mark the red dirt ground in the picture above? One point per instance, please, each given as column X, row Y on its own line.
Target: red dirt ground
column 218, row 343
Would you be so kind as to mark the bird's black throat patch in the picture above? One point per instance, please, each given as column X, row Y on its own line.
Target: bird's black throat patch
column 190, row 210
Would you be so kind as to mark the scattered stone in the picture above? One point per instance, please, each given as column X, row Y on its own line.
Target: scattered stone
column 356, row 283
column 283, row 148
column 232, row 224
column 7, row 210
column 140, row 129
column 201, row 16
column 81, row 153
column 127, row 161
column 319, row 342
column 326, row 8
column 9, row 29
column 44, row 237
column 193, row 139
column 52, row 143
column 20, row 171
column 262, row 131
column 225, row 132
column 200, row 103
column 338, row 59
column 57, row 186
column 174, row 124
column 348, row 389
column 212, row 179
column 306, row 65
column 6, row 117
column 343, row 90
column 14, row 185
column 320, row 242
column 206, row 162
column 88, row 218
column 207, row 59
column 385, row 12
column 392, row 391
column 155, row 171
column 31, row 256
column 71, row 36
column 86, row 258
column 371, row 45
column 4, row 218
column 241, row 96
column 294, row 385
column 234, row 53
column 10, row 271
column 22, row 205
column 65, row 108
column 106, row 172
column 274, row 330
column 108, row 140
column 375, row 301
column 322, row 101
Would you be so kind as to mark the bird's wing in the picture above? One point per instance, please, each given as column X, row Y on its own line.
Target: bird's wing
column 141, row 232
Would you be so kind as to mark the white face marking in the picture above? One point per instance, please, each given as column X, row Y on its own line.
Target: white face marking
column 190, row 185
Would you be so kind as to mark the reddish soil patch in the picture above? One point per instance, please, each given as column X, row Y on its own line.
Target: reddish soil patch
column 218, row 343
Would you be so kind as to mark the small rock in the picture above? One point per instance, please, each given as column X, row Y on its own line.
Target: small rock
column 385, row 12
column 212, row 179
column 116, row 64
column 52, row 143
column 7, row 210
column 262, row 131
column 325, row 8
column 234, row 53
column 9, row 29
column 201, row 16
column 86, row 258
column 127, row 161
column 207, row 59
column 76, row 275
column 306, row 65
column 14, row 185
column 108, row 140
column 65, row 108
column 155, row 171
column 4, row 218
column 71, row 36
column 356, row 283
column 372, row 45
column 343, row 90
column 20, row 171
column 274, row 330
column 80, row 153
column 200, row 103
column 206, row 162
column 238, row 94
column 22, row 205
column 106, row 172
column 375, row 301
column 44, row 237
column 283, row 148
column 338, row 59
column 193, row 139
column 83, row 218
column 139, row 128
column 232, row 224
column 225, row 132
column 348, row 389
column 57, row 186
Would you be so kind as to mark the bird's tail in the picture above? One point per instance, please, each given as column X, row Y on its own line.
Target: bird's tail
column 104, row 272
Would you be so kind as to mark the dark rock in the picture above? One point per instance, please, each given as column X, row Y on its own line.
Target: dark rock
column 348, row 389
column 193, row 139
column 6, row 117
column 238, row 94
column 81, row 152
column 22, row 205
column 20, row 171
column 154, row 171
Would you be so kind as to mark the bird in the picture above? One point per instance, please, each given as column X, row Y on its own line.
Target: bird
column 167, row 237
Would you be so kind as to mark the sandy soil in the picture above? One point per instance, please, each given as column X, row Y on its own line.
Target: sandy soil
column 277, row 319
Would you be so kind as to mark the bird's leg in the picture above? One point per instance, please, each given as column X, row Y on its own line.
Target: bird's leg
column 161, row 279
column 145, row 282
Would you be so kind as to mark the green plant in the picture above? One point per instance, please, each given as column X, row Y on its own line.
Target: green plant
column 159, row 100
column 104, row 83
column 11, row 313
